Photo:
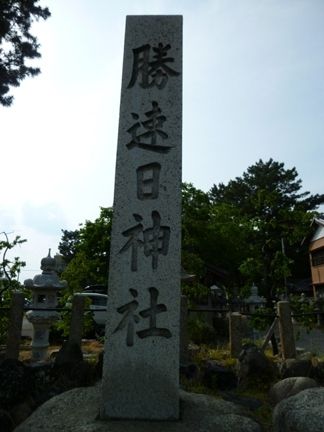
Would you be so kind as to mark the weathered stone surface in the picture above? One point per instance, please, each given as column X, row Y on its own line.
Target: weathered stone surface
column 76, row 324
column 250, row 403
column 15, row 382
column 189, row 370
column 214, row 375
column 15, row 324
column 286, row 330
column 297, row 368
column 77, row 410
column 21, row 411
column 235, row 336
column 253, row 364
column 184, row 337
column 300, row 413
column 6, row 422
column 141, row 363
column 289, row 387
column 69, row 354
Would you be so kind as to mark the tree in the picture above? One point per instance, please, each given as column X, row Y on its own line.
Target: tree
column 213, row 236
column 68, row 244
column 17, row 44
column 195, row 221
column 9, row 269
column 9, row 275
column 86, row 252
column 276, row 216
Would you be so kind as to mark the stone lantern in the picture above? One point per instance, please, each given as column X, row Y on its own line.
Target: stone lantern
column 44, row 287
column 254, row 302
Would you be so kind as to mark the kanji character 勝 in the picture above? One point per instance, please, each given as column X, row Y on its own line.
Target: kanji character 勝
column 154, row 72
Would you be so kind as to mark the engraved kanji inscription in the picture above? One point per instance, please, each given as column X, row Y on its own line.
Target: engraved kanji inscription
column 152, row 70
column 130, row 319
column 148, row 181
column 151, row 313
column 154, row 240
column 148, row 134
column 134, row 241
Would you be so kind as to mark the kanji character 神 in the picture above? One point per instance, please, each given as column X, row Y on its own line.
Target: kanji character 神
column 155, row 240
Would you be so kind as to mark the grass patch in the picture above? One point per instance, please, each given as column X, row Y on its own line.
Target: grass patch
column 256, row 388
column 220, row 354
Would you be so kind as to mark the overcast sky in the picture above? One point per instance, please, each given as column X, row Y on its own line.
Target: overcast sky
column 253, row 88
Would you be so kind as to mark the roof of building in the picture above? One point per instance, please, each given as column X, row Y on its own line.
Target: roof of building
column 319, row 232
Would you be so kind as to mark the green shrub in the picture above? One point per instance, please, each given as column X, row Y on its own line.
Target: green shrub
column 61, row 328
column 200, row 332
column 304, row 310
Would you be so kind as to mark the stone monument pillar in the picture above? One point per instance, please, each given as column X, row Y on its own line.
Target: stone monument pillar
column 141, row 363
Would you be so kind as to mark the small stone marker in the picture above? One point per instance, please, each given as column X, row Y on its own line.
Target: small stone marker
column 76, row 324
column 184, row 337
column 286, row 330
column 141, row 363
column 235, row 334
column 15, row 324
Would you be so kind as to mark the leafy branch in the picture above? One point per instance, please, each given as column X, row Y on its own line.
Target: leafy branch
column 9, row 269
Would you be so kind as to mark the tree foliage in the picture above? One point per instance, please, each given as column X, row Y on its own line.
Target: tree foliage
column 17, row 44
column 212, row 234
column 252, row 229
column 86, row 252
column 195, row 220
column 9, row 268
column 68, row 244
column 9, row 274
column 276, row 215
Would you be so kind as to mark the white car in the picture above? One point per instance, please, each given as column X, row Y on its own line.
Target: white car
column 98, row 306
column 27, row 328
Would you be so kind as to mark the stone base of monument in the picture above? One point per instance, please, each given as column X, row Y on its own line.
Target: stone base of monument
column 77, row 410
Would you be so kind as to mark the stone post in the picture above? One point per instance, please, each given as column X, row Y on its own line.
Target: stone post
column 184, row 330
column 235, row 333
column 286, row 330
column 141, row 361
column 15, row 324
column 76, row 324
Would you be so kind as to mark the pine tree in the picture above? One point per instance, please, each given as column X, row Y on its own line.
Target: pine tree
column 17, row 44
